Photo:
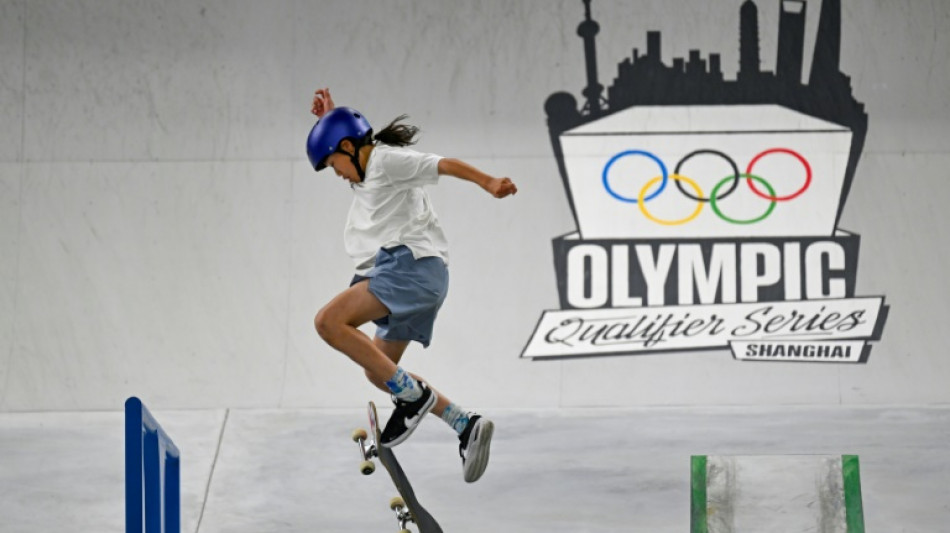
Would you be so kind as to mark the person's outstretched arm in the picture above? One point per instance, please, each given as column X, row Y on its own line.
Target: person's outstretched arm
column 497, row 187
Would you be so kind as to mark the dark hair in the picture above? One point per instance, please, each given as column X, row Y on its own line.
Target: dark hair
column 398, row 134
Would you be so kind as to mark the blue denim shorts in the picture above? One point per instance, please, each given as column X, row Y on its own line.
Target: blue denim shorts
column 412, row 289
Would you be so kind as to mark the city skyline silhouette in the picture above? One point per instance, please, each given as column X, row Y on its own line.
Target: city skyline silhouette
column 644, row 80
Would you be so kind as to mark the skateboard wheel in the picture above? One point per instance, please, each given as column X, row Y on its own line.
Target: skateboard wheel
column 396, row 503
column 359, row 434
column 367, row 467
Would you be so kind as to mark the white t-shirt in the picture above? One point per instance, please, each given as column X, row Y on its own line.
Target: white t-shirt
column 390, row 208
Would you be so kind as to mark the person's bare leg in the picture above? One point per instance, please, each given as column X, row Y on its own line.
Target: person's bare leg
column 338, row 323
column 394, row 351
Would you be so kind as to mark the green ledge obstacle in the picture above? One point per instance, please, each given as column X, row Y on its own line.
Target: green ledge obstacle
column 776, row 494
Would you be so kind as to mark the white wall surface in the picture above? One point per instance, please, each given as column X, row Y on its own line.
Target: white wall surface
column 162, row 234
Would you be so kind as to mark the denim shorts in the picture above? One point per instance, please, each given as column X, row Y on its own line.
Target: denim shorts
column 412, row 289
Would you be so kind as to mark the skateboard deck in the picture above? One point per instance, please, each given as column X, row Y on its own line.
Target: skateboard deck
column 407, row 508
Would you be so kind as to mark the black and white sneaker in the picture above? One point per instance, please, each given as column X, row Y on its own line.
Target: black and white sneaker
column 407, row 416
column 475, row 446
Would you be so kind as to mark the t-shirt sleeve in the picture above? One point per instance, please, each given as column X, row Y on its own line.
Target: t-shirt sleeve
column 408, row 168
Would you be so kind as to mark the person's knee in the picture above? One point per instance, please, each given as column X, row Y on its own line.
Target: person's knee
column 326, row 325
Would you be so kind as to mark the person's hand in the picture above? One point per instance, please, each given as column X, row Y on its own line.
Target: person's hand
column 322, row 102
column 501, row 187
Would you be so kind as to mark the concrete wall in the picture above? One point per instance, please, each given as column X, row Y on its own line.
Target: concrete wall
column 162, row 234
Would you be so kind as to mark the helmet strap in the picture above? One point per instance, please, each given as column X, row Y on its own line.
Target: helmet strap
column 355, row 158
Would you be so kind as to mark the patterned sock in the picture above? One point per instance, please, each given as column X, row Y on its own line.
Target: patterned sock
column 455, row 417
column 404, row 386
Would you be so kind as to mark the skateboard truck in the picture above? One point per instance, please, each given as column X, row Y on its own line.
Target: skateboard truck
column 367, row 451
column 402, row 513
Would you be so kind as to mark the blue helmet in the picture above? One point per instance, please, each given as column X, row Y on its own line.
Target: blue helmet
column 338, row 124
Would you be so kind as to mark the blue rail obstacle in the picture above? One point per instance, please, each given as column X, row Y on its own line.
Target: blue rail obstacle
column 152, row 474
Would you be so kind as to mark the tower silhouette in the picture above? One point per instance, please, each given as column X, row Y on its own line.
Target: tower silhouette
column 791, row 41
column 588, row 30
column 748, row 40
column 827, row 59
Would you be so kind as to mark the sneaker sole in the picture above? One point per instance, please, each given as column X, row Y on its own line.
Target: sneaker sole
column 426, row 409
column 476, row 465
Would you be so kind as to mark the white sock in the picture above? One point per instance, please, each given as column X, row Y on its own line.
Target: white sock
column 456, row 418
column 404, row 386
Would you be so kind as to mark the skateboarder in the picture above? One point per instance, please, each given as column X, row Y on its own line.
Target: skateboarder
column 401, row 255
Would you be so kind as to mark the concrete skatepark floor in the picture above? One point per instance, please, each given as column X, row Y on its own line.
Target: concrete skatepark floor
column 598, row 470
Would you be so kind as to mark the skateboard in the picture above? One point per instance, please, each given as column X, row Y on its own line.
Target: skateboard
column 406, row 506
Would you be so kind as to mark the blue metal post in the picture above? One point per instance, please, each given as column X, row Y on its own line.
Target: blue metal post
column 153, row 483
column 133, row 466
column 172, row 494
column 152, row 474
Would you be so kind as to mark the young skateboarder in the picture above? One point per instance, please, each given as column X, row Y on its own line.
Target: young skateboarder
column 400, row 255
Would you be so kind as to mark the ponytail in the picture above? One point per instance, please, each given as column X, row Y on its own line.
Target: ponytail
column 396, row 134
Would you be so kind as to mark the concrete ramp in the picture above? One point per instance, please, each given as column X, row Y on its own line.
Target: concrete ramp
column 776, row 494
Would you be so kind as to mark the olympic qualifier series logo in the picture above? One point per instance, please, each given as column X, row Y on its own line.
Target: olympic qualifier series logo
column 707, row 209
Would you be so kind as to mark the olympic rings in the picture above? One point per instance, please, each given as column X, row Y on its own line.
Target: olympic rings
column 699, row 198
column 760, row 218
column 643, row 205
column 714, row 196
column 634, row 152
column 772, row 196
